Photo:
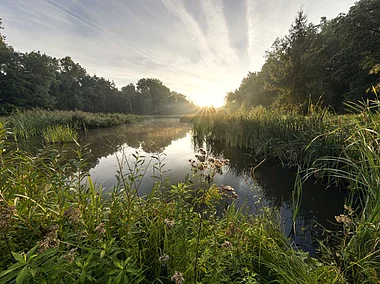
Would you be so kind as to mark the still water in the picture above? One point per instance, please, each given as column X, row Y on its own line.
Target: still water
column 174, row 143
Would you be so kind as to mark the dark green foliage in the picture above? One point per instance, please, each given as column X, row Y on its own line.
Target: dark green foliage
column 35, row 80
column 34, row 122
column 55, row 229
column 336, row 60
column 340, row 149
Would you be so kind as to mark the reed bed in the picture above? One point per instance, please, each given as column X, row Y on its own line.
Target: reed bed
column 59, row 134
column 340, row 149
column 33, row 122
column 54, row 229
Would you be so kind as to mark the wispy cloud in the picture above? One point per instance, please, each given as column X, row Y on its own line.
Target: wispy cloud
column 197, row 47
column 217, row 32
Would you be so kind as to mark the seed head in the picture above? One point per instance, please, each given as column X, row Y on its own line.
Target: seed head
column 101, row 228
column 70, row 256
column 177, row 278
column 50, row 240
column 72, row 214
column 164, row 259
column 169, row 223
column 343, row 219
column 227, row 245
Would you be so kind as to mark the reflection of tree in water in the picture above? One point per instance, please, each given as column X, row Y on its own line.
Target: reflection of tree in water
column 149, row 136
column 277, row 183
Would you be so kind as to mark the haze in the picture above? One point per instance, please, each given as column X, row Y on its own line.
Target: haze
column 200, row 48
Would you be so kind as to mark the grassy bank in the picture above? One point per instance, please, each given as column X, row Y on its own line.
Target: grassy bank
column 55, row 230
column 344, row 149
column 34, row 122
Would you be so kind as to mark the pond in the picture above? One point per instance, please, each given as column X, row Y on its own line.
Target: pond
column 173, row 142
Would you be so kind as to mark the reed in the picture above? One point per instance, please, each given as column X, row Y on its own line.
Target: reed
column 33, row 122
column 57, row 229
column 59, row 134
column 338, row 149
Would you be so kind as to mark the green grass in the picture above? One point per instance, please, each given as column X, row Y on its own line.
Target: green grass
column 34, row 122
column 59, row 134
column 338, row 149
column 54, row 229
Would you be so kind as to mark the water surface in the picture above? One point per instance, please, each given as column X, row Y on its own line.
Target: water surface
column 172, row 141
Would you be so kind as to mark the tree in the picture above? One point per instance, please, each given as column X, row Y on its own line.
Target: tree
column 68, row 91
column 129, row 97
column 288, row 62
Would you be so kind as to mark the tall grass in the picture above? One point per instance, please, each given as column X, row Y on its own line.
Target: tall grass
column 358, row 253
column 54, row 229
column 339, row 149
column 33, row 122
column 59, row 134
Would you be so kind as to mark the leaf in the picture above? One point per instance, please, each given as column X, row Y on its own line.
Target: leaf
column 19, row 257
column 119, row 277
column 33, row 272
column 21, row 275
column 117, row 264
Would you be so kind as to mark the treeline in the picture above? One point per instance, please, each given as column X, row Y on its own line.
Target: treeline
column 35, row 80
column 331, row 62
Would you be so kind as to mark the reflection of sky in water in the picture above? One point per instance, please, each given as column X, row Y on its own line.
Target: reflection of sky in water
column 272, row 187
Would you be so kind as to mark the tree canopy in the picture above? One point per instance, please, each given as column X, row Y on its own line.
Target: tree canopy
column 334, row 61
column 35, row 80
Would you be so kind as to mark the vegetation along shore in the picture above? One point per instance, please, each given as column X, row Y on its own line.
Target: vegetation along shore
column 313, row 106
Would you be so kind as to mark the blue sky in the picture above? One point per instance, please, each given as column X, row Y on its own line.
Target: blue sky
column 201, row 48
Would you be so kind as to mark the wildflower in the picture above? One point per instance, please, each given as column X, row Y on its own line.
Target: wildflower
column 349, row 209
column 72, row 214
column 50, row 240
column 70, row 256
column 101, row 229
column 343, row 219
column 6, row 214
column 164, row 259
column 229, row 191
column 227, row 245
column 169, row 223
column 177, row 278
column 227, row 188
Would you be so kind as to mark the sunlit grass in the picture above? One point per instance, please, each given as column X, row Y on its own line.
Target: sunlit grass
column 59, row 134
column 33, row 122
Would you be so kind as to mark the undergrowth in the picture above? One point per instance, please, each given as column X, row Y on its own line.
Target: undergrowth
column 31, row 123
column 56, row 229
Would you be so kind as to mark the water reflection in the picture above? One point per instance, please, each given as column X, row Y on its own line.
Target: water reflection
column 275, row 184
column 272, row 185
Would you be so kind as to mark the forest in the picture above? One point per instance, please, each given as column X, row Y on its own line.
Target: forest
column 36, row 80
column 332, row 62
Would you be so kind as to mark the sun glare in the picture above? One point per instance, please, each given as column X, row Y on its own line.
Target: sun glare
column 210, row 101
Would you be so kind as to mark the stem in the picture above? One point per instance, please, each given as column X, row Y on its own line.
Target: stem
column 197, row 250
column 7, row 243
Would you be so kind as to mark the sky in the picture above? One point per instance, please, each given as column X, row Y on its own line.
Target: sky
column 200, row 48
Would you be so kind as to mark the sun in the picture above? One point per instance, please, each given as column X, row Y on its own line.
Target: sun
column 210, row 101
